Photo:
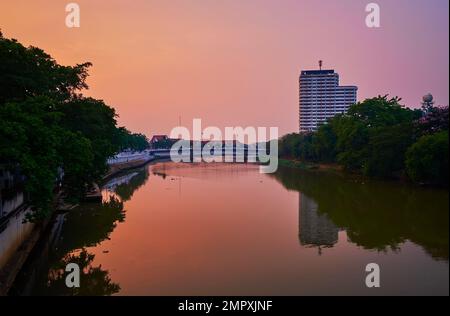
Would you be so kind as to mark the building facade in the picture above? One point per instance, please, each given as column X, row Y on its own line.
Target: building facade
column 321, row 98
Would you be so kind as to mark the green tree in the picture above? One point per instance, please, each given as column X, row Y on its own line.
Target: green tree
column 387, row 149
column 427, row 159
column 324, row 143
column 371, row 138
column 289, row 146
column 434, row 119
column 77, row 158
column 47, row 126
column 95, row 121
column 362, row 122
column 29, row 135
column 306, row 149
column 351, row 145
column 29, row 72
column 127, row 140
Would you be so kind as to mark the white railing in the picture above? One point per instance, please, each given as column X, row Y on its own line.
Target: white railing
column 125, row 157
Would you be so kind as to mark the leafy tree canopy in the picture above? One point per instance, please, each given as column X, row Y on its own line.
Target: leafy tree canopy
column 49, row 129
column 373, row 138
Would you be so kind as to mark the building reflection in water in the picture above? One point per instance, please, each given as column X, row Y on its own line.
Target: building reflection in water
column 315, row 230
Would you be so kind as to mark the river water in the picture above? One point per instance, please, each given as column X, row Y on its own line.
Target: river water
column 226, row 229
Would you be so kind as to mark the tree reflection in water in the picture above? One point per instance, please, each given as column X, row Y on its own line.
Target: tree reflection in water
column 94, row 280
column 81, row 228
column 137, row 179
column 376, row 215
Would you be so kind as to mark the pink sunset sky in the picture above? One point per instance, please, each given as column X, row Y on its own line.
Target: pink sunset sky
column 237, row 62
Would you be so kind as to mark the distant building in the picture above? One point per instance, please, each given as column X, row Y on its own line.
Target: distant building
column 321, row 98
column 157, row 139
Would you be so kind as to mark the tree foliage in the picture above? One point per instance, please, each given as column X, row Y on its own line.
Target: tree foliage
column 373, row 138
column 128, row 140
column 427, row 159
column 29, row 72
column 48, row 128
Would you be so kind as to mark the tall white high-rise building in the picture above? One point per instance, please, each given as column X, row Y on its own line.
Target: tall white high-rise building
column 321, row 98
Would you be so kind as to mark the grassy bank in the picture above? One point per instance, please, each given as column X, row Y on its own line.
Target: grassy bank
column 339, row 170
column 304, row 165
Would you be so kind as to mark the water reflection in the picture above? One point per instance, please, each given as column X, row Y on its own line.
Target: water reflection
column 95, row 280
column 72, row 236
column 234, row 231
column 315, row 230
column 376, row 215
column 124, row 186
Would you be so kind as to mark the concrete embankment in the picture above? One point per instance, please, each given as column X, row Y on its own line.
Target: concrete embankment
column 20, row 239
column 115, row 169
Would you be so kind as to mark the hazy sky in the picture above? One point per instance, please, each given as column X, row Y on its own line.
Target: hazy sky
column 236, row 62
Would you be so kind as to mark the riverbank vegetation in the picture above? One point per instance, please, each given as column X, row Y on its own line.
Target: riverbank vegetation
column 379, row 138
column 378, row 216
column 50, row 132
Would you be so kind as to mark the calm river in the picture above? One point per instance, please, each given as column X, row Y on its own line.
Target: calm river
column 226, row 229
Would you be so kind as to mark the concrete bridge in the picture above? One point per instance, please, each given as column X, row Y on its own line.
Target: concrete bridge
column 151, row 154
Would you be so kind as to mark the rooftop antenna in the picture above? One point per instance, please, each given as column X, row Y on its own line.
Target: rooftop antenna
column 320, row 64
